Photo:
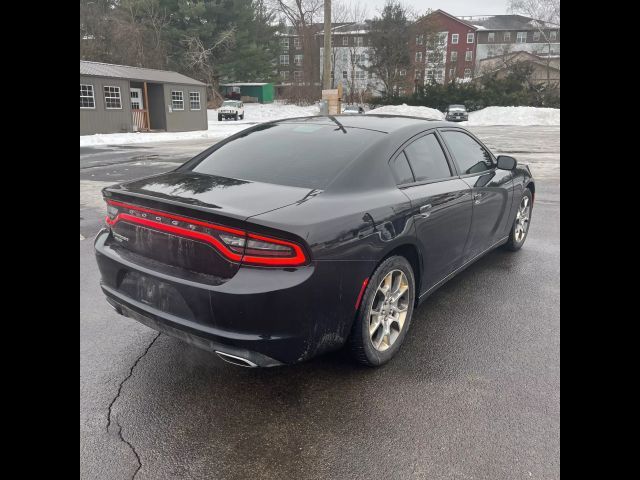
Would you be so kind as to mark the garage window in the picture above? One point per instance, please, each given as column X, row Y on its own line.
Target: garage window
column 87, row 99
column 112, row 100
column 194, row 100
column 177, row 99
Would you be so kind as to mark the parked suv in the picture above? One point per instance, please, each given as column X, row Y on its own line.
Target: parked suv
column 456, row 113
column 231, row 109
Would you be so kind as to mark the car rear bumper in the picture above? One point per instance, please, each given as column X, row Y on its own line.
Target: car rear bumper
column 268, row 316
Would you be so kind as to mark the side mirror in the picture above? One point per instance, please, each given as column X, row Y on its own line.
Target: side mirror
column 506, row 163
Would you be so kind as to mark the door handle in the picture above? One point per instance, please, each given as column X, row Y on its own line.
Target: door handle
column 477, row 197
column 425, row 210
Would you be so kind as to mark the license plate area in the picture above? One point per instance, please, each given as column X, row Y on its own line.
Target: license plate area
column 155, row 293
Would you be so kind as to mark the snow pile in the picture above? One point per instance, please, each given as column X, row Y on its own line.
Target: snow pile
column 128, row 138
column 514, row 116
column 253, row 113
column 257, row 112
column 408, row 111
column 486, row 116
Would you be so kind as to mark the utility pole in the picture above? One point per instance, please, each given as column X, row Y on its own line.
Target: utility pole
column 326, row 59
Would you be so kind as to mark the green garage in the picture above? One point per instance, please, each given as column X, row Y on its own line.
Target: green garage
column 257, row 92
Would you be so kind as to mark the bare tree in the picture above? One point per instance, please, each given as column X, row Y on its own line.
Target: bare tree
column 132, row 32
column 203, row 60
column 339, row 14
column 436, row 50
column 158, row 20
column 302, row 14
column 356, row 13
column 546, row 15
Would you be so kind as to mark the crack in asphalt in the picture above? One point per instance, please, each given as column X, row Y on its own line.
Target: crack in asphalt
column 146, row 350
column 132, row 449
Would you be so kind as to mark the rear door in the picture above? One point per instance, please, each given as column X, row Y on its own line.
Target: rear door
column 441, row 205
column 492, row 189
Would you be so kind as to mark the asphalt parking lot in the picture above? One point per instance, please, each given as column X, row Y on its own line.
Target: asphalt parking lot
column 473, row 394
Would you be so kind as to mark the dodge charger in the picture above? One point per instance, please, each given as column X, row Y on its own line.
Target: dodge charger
column 300, row 236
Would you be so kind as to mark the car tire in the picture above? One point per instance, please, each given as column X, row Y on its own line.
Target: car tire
column 520, row 227
column 235, row 117
column 242, row 117
column 373, row 345
column 219, row 118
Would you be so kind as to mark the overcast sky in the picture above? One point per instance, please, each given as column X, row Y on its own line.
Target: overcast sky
column 454, row 7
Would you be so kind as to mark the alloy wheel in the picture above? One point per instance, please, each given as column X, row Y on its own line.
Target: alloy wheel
column 522, row 219
column 389, row 310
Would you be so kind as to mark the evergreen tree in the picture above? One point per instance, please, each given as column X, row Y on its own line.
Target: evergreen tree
column 389, row 51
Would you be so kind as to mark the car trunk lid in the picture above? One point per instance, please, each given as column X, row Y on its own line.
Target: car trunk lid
column 189, row 220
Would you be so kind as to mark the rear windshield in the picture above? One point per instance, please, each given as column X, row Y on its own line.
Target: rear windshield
column 304, row 155
column 456, row 107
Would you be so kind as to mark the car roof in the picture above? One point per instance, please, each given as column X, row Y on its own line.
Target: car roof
column 378, row 122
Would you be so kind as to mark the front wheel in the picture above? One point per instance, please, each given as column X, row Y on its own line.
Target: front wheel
column 520, row 227
column 242, row 117
column 235, row 117
column 219, row 118
column 384, row 315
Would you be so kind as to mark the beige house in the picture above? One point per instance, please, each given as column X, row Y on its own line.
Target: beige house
column 502, row 63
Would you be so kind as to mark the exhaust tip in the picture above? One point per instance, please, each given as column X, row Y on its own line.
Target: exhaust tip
column 234, row 360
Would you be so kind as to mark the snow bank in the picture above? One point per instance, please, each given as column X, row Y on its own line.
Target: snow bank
column 128, row 138
column 486, row 116
column 408, row 111
column 257, row 113
column 514, row 116
column 254, row 113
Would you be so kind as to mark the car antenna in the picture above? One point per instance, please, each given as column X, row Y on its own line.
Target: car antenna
column 337, row 123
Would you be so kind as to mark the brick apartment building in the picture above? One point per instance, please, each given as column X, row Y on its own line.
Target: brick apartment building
column 442, row 47
column 503, row 34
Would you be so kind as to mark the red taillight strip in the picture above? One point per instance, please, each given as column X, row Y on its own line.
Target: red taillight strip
column 362, row 289
column 178, row 231
column 177, row 217
column 299, row 257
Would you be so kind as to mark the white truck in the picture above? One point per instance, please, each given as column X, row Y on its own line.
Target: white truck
column 231, row 109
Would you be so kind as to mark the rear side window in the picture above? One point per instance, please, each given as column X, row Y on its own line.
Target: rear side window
column 305, row 154
column 427, row 159
column 469, row 155
column 401, row 169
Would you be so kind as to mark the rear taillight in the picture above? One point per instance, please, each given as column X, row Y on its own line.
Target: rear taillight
column 236, row 245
